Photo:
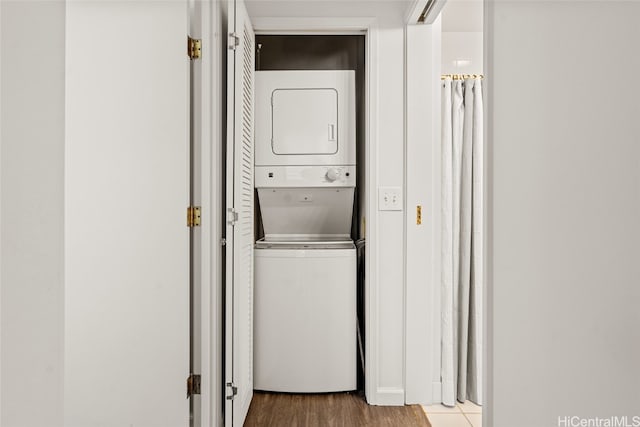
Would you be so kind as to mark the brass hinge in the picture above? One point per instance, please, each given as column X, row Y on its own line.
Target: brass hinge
column 193, row 385
column 233, row 390
column 194, row 48
column 193, row 216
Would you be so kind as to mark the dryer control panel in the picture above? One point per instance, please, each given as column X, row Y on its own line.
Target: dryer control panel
column 305, row 176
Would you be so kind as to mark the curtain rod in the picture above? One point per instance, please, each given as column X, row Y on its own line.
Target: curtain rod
column 462, row 76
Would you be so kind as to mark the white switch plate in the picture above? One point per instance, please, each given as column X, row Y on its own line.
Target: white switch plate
column 390, row 198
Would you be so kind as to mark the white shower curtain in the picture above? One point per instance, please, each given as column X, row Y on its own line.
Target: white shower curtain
column 462, row 163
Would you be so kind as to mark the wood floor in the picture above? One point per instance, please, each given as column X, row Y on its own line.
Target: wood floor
column 328, row 410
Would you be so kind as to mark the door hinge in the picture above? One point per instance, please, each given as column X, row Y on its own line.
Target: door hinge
column 194, row 48
column 193, row 216
column 233, row 389
column 223, row 242
column 234, row 41
column 193, row 385
column 232, row 216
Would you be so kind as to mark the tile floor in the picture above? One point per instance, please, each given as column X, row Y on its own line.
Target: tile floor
column 466, row 414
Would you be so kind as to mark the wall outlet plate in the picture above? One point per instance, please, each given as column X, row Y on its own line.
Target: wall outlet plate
column 390, row 198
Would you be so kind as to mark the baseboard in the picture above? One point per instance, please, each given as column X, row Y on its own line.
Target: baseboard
column 389, row 396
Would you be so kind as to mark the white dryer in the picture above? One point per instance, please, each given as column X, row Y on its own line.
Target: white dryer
column 305, row 267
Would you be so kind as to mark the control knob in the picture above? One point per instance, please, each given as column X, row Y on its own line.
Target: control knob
column 333, row 174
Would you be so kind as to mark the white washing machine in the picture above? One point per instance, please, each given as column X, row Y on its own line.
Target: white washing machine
column 305, row 319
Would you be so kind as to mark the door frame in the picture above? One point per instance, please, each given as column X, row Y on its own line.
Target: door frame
column 205, row 23
column 212, row 125
column 374, row 394
column 422, row 188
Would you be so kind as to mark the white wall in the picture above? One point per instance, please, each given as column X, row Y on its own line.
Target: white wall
column 32, row 212
column 462, row 27
column 462, row 52
column 564, row 203
column 423, row 176
column 390, row 16
column 463, row 16
column 391, row 223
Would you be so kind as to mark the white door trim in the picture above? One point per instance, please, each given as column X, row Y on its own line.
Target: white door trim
column 375, row 395
column 422, row 241
column 306, row 25
column 416, row 9
column 203, row 23
column 488, row 226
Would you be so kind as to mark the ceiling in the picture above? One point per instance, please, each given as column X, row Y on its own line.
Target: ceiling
column 457, row 15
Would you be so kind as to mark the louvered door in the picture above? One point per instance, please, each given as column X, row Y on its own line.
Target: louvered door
column 240, row 199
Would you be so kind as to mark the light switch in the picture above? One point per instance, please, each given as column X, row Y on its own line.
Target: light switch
column 390, row 198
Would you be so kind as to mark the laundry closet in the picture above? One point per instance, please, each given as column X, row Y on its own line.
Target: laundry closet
column 308, row 326
column 297, row 205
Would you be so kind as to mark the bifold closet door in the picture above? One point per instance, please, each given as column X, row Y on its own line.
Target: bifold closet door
column 126, row 193
column 240, row 234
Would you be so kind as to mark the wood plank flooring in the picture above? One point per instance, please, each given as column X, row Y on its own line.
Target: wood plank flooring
column 328, row 410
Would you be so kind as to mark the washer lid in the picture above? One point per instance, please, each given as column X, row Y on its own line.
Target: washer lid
column 306, row 214
column 311, row 245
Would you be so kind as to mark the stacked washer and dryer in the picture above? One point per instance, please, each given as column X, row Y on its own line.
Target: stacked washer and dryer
column 305, row 266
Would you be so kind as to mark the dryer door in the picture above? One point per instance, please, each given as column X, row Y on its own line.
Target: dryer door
column 309, row 130
column 305, row 118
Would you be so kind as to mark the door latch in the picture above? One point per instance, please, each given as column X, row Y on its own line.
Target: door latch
column 234, row 41
column 233, row 389
column 232, row 216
